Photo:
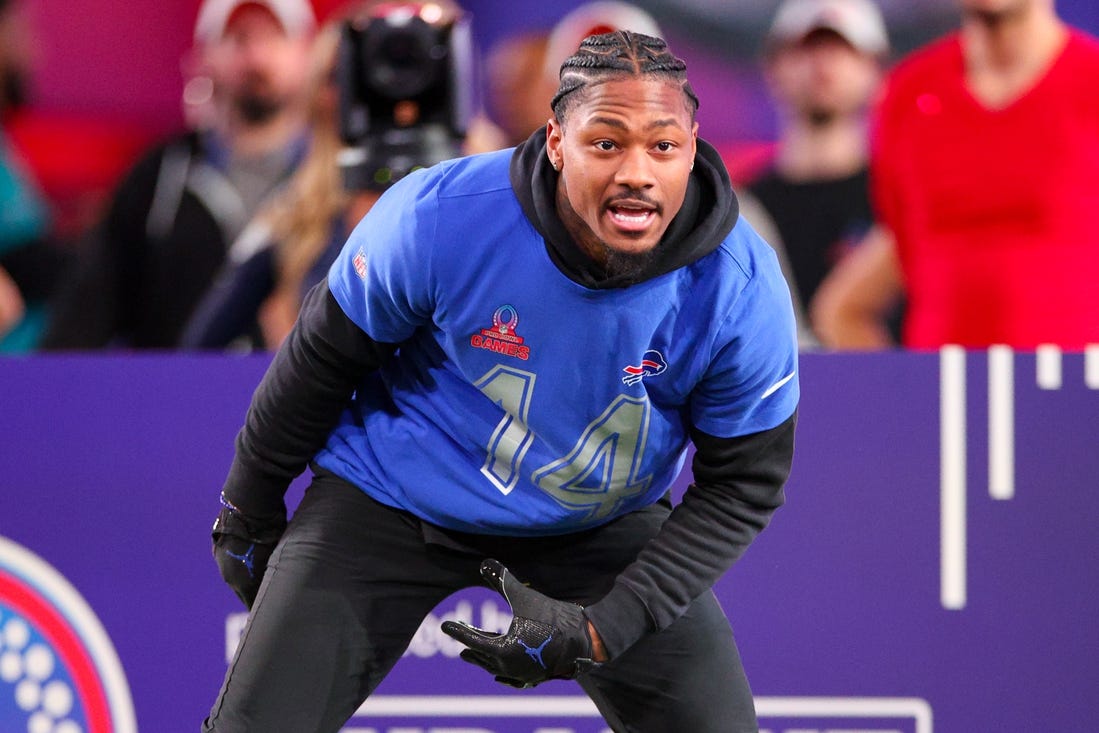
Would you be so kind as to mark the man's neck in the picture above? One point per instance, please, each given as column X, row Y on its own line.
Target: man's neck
column 1006, row 54
column 810, row 151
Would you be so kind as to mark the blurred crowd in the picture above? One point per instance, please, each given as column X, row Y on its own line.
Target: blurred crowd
column 947, row 195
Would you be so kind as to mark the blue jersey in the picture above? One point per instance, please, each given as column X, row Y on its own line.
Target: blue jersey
column 521, row 402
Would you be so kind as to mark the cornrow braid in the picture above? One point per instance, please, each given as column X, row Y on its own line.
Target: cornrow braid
column 620, row 53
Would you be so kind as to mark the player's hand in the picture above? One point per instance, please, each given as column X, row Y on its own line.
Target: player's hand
column 242, row 547
column 547, row 639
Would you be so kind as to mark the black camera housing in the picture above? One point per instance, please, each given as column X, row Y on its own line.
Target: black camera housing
column 405, row 80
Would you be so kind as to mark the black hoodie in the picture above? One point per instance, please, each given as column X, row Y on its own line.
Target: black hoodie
column 708, row 214
column 737, row 481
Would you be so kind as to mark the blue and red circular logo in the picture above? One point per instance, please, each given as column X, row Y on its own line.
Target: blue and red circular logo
column 59, row 672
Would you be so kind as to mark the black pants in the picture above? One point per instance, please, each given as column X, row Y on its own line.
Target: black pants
column 352, row 580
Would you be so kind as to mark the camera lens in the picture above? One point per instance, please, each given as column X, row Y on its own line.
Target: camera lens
column 403, row 95
column 402, row 61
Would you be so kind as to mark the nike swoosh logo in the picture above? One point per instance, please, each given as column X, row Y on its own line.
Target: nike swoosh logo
column 778, row 385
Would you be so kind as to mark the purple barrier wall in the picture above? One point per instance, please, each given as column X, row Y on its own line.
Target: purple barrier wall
column 934, row 568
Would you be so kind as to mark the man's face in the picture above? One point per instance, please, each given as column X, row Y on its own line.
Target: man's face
column 256, row 68
column 625, row 153
column 822, row 77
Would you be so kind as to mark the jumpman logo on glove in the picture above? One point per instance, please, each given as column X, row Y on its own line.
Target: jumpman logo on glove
column 246, row 558
column 547, row 639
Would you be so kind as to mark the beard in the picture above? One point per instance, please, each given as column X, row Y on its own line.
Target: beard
column 615, row 263
column 820, row 116
column 256, row 109
column 256, row 102
column 630, row 265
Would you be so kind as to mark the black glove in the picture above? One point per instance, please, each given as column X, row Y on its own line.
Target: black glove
column 547, row 639
column 242, row 547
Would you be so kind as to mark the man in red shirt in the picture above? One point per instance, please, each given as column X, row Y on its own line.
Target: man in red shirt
column 985, row 174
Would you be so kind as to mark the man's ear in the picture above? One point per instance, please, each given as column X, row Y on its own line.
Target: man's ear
column 554, row 140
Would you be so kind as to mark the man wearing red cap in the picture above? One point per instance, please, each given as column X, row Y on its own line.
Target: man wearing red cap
column 168, row 225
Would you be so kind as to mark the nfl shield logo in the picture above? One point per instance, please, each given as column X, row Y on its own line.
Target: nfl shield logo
column 359, row 261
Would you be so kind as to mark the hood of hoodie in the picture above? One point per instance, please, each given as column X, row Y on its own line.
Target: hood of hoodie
column 708, row 214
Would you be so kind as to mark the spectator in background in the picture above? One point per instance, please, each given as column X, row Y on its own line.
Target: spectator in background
column 30, row 263
column 167, row 228
column 521, row 71
column 296, row 237
column 985, row 170
column 823, row 66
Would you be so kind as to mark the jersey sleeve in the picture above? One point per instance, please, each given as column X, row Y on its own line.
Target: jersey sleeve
column 382, row 278
column 298, row 402
column 751, row 384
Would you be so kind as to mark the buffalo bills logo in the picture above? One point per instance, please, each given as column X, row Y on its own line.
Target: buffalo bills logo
column 652, row 363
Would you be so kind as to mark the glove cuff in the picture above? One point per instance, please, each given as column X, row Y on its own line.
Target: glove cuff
column 263, row 530
column 620, row 618
column 252, row 493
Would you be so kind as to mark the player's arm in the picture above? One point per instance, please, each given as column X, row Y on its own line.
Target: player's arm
column 738, row 485
column 297, row 404
column 743, row 416
column 299, row 401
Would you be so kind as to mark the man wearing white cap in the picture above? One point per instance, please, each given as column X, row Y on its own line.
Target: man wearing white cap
column 168, row 225
column 823, row 64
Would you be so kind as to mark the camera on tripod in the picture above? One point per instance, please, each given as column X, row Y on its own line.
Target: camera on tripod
column 404, row 74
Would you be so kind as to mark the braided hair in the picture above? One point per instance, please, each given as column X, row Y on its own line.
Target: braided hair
column 617, row 54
